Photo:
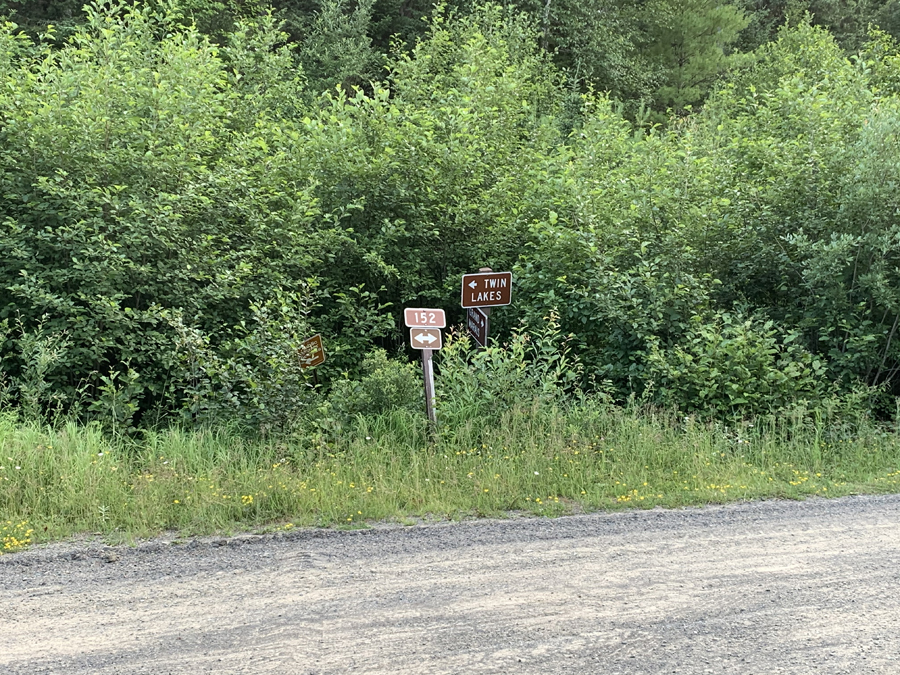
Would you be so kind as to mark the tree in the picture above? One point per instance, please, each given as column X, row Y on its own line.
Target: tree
column 333, row 42
column 690, row 42
column 597, row 42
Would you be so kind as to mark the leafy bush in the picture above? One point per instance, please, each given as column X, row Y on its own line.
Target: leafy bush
column 616, row 302
column 736, row 366
column 486, row 383
column 139, row 202
column 803, row 148
column 384, row 385
column 254, row 379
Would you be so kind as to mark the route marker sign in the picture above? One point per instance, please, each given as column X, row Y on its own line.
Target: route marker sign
column 311, row 352
column 486, row 289
column 416, row 317
column 425, row 338
column 425, row 334
column 477, row 323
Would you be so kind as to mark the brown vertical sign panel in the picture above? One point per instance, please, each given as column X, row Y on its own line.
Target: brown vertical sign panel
column 477, row 323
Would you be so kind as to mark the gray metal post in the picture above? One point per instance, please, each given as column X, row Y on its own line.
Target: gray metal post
column 487, row 315
column 428, row 372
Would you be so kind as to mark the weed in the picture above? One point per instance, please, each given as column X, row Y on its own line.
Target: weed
column 544, row 458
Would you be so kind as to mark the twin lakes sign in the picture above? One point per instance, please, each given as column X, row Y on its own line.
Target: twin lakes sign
column 477, row 324
column 486, row 289
column 480, row 292
column 311, row 352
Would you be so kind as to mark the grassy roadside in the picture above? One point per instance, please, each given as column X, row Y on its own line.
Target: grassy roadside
column 542, row 460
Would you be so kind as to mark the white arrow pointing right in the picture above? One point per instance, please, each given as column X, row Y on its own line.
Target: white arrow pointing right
column 427, row 338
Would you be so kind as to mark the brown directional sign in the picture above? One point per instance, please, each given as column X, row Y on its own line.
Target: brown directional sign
column 425, row 338
column 311, row 352
column 487, row 289
column 416, row 317
column 477, row 323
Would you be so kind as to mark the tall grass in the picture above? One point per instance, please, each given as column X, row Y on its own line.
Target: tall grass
column 541, row 459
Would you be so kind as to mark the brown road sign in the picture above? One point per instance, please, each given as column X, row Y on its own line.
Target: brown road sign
column 425, row 338
column 311, row 352
column 487, row 289
column 424, row 318
column 477, row 323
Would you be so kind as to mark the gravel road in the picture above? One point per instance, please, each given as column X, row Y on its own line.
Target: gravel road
column 767, row 587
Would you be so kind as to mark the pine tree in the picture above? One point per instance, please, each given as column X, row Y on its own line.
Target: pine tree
column 690, row 42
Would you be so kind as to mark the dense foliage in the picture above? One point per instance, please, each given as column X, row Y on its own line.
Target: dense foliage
column 181, row 208
column 649, row 54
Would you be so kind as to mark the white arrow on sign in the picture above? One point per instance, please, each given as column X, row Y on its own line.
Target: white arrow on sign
column 473, row 285
column 425, row 338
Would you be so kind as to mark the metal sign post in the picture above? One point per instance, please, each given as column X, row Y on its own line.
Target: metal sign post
column 425, row 334
column 428, row 372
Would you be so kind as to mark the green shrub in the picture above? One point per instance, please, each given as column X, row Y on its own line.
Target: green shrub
column 176, row 216
column 486, row 383
column 385, row 389
column 255, row 379
column 141, row 202
column 736, row 366
column 384, row 385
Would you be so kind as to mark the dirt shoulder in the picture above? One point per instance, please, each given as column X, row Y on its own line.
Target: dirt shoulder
column 768, row 587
